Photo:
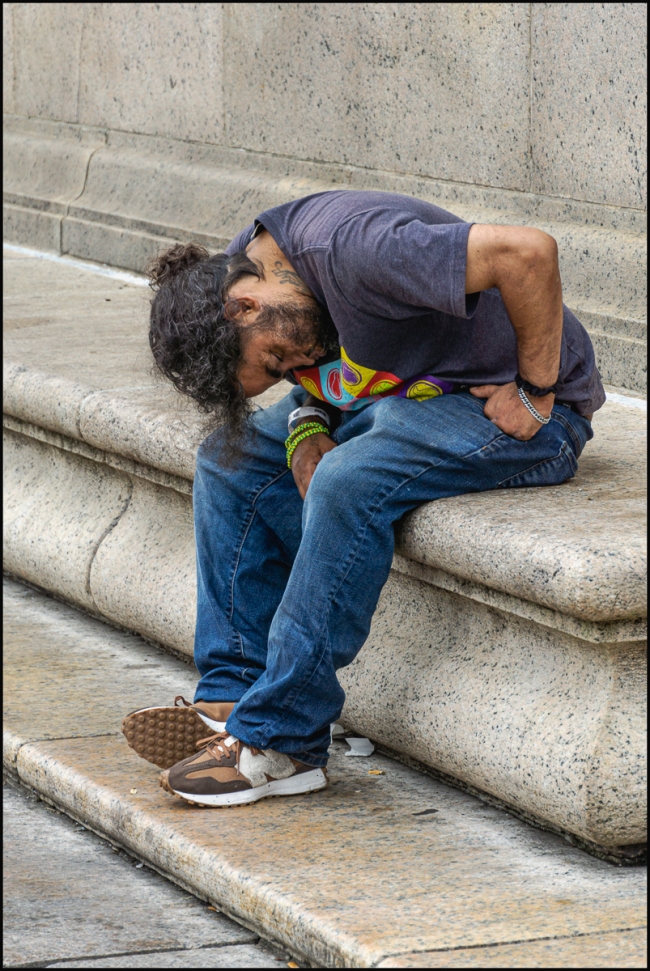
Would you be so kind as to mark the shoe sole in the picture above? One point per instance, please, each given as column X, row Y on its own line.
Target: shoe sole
column 165, row 736
column 294, row 786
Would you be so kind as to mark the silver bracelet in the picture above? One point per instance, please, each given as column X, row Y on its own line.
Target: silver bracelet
column 532, row 409
column 305, row 412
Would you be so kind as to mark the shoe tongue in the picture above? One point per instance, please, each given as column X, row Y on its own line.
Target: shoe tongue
column 230, row 740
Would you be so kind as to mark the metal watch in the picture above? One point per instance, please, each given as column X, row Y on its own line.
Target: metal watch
column 533, row 389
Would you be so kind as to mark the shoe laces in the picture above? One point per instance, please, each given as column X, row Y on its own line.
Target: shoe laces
column 222, row 744
column 180, row 698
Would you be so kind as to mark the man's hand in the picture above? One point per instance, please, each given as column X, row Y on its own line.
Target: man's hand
column 306, row 457
column 505, row 408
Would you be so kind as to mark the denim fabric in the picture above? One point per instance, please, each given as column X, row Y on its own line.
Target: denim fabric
column 287, row 590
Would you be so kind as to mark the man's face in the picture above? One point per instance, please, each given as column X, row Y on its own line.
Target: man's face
column 278, row 339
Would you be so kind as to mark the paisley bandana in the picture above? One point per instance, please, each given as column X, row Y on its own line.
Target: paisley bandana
column 350, row 386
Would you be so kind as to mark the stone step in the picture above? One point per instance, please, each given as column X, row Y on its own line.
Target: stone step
column 74, row 901
column 543, row 589
column 117, row 199
column 391, row 870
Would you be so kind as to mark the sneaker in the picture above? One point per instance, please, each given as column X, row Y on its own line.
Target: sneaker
column 226, row 772
column 164, row 736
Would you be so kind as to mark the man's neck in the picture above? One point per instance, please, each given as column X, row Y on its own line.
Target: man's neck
column 264, row 249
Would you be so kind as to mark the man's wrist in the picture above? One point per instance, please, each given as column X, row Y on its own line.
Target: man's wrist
column 308, row 413
column 536, row 391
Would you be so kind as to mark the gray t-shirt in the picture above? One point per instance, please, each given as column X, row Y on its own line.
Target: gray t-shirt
column 391, row 271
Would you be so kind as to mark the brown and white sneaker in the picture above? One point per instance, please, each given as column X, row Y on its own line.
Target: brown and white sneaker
column 226, row 772
column 164, row 736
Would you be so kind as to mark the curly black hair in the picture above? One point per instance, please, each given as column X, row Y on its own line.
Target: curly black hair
column 196, row 337
column 193, row 341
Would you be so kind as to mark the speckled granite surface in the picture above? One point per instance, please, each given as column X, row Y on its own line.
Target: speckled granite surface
column 78, row 364
column 371, row 869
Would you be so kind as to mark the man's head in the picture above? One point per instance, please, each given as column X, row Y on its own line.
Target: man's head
column 222, row 330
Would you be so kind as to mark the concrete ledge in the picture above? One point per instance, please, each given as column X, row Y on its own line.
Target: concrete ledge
column 506, row 648
column 519, row 701
column 337, row 866
column 117, row 198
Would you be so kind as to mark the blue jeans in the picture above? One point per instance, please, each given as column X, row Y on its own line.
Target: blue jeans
column 287, row 589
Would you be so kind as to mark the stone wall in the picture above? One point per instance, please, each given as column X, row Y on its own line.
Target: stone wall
column 128, row 127
column 544, row 98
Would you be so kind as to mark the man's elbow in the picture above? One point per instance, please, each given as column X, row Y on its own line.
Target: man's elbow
column 537, row 251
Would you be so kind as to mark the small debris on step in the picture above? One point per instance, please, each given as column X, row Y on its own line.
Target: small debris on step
column 376, row 772
column 360, row 746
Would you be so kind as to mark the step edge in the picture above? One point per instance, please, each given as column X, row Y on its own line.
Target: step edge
column 33, row 756
column 617, row 630
column 592, row 214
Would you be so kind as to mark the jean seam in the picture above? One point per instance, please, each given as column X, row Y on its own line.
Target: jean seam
column 566, row 424
column 564, row 448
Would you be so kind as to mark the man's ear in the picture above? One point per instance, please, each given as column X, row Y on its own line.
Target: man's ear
column 242, row 309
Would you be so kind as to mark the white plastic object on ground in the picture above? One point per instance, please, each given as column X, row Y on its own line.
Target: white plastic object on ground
column 360, row 746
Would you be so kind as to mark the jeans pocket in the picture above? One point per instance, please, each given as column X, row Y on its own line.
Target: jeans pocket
column 551, row 471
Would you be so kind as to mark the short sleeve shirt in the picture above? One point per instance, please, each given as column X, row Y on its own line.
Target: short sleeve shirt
column 390, row 269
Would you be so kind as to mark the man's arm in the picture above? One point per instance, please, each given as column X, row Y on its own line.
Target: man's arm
column 311, row 450
column 523, row 263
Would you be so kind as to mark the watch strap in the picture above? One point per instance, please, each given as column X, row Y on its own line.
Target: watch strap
column 307, row 411
column 532, row 389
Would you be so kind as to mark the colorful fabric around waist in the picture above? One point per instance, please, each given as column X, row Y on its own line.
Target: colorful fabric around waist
column 349, row 386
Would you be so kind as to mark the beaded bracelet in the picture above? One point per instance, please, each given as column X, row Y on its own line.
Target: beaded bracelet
column 303, row 427
column 314, row 429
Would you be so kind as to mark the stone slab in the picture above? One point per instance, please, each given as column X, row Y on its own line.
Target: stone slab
column 481, row 875
column 58, row 508
column 114, row 245
column 622, row 361
column 7, row 59
column 620, row 949
column 578, row 548
column 140, row 194
column 67, row 674
column 46, row 59
column 591, row 564
column 587, row 101
column 152, row 71
column 480, row 872
column 368, row 84
column 144, row 574
column 67, row 894
column 32, row 227
column 242, row 956
column 48, row 167
column 552, row 726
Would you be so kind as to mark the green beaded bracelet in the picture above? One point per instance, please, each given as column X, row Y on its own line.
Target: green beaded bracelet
column 303, row 427
column 315, row 429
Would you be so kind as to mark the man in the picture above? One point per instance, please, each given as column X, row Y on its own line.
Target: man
column 430, row 357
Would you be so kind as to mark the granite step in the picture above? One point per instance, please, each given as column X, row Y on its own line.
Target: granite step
column 72, row 900
column 390, row 870
column 506, row 654
column 117, row 199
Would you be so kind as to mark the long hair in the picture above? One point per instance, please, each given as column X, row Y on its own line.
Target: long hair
column 192, row 340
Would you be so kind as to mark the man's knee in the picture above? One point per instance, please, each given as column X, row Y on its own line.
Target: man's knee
column 336, row 485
